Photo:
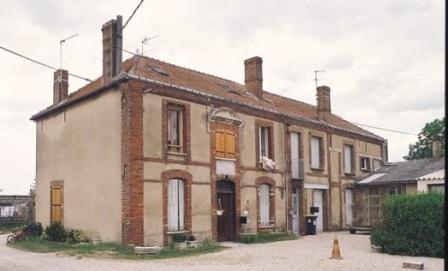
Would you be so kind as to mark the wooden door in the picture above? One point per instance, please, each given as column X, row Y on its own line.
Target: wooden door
column 226, row 221
column 56, row 203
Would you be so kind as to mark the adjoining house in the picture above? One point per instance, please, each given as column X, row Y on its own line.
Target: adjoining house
column 151, row 149
column 408, row 177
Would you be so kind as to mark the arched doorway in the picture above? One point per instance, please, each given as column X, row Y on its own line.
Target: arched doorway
column 226, row 200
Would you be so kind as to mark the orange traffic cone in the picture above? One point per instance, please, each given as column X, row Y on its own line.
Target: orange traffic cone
column 336, row 254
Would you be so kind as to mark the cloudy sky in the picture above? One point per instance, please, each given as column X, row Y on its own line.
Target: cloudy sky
column 383, row 60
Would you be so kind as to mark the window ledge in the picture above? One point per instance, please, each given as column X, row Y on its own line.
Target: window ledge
column 317, row 169
column 176, row 153
column 266, row 227
column 226, row 159
column 177, row 232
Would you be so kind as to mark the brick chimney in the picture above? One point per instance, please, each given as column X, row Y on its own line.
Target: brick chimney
column 254, row 76
column 60, row 86
column 112, row 48
column 436, row 149
column 323, row 101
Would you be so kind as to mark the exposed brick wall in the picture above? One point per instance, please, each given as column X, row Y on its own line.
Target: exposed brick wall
column 25, row 212
column 214, row 178
column 60, row 86
column 188, row 180
column 254, row 76
column 132, row 164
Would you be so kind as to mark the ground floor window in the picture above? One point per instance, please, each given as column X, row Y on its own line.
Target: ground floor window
column 57, row 191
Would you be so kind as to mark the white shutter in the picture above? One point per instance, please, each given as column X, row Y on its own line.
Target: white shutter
column 347, row 159
column 172, row 204
column 315, row 160
column 264, row 204
column 176, row 205
column 295, row 155
column 181, row 209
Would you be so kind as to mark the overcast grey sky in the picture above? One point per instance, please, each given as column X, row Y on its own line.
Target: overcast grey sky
column 383, row 60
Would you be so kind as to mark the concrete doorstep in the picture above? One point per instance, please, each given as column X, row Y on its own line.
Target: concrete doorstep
column 147, row 250
column 413, row 265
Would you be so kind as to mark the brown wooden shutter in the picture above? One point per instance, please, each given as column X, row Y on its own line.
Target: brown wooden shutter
column 230, row 145
column 56, row 203
column 220, row 145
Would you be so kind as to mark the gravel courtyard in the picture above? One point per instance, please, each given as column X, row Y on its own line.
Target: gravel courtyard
column 306, row 253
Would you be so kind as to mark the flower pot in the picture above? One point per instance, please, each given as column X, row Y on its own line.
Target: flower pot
column 219, row 212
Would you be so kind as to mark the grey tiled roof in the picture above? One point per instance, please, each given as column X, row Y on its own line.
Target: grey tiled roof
column 402, row 172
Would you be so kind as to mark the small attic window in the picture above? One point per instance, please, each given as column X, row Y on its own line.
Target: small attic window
column 229, row 89
column 159, row 70
column 250, row 95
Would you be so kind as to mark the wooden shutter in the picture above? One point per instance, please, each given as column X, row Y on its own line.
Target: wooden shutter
column 264, row 204
column 56, row 203
column 225, row 144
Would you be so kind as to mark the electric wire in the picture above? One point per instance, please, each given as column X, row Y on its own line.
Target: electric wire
column 384, row 129
column 132, row 15
column 42, row 64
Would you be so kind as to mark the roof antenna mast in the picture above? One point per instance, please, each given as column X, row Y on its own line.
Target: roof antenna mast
column 147, row 39
column 315, row 76
column 62, row 41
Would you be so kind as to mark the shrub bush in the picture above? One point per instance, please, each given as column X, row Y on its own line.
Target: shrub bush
column 76, row 237
column 34, row 229
column 55, row 232
column 413, row 225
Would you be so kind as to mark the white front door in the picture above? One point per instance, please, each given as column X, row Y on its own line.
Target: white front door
column 349, row 207
column 295, row 211
column 318, row 202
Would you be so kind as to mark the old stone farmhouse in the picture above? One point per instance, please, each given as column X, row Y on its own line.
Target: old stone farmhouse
column 151, row 149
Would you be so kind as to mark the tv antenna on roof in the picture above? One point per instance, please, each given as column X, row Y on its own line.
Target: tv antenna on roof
column 147, row 39
column 62, row 41
column 315, row 76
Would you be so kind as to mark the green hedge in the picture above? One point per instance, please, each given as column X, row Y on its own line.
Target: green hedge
column 413, row 225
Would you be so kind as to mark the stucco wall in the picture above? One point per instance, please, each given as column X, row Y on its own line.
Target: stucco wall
column 89, row 134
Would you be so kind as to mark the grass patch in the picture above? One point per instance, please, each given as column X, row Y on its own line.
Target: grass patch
column 108, row 250
column 265, row 238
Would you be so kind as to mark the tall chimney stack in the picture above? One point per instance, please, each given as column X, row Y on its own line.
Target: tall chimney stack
column 112, row 48
column 436, row 149
column 60, row 86
column 323, row 101
column 254, row 76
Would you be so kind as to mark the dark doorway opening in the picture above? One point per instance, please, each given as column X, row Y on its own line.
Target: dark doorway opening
column 226, row 201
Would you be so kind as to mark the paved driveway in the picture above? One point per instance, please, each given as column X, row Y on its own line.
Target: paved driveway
column 306, row 253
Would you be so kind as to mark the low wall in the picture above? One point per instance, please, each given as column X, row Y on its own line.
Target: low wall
column 16, row 209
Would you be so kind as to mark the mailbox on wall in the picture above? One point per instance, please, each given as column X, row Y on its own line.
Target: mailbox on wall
column 314, row 209
column 244, row 220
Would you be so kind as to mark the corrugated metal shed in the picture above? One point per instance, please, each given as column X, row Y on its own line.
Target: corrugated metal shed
column 403, row 172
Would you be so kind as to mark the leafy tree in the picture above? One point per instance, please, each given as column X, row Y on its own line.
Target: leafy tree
column 432, row 131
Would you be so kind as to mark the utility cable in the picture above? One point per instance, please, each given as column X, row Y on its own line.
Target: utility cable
column 384, row 129
column 132, row 15
column 42, row 64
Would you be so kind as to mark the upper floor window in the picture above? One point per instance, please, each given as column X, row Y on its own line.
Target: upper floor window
column 176, row 205
column 225, row 144
column 264, row 141
column 317, row 156
column 396, row 189
column 348, row 159
column 364, row 163
column 296, row 163
column 175, row 128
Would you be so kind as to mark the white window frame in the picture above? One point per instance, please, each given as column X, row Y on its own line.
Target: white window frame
column 264, row 202
column 176, row 205
column 364, row 163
